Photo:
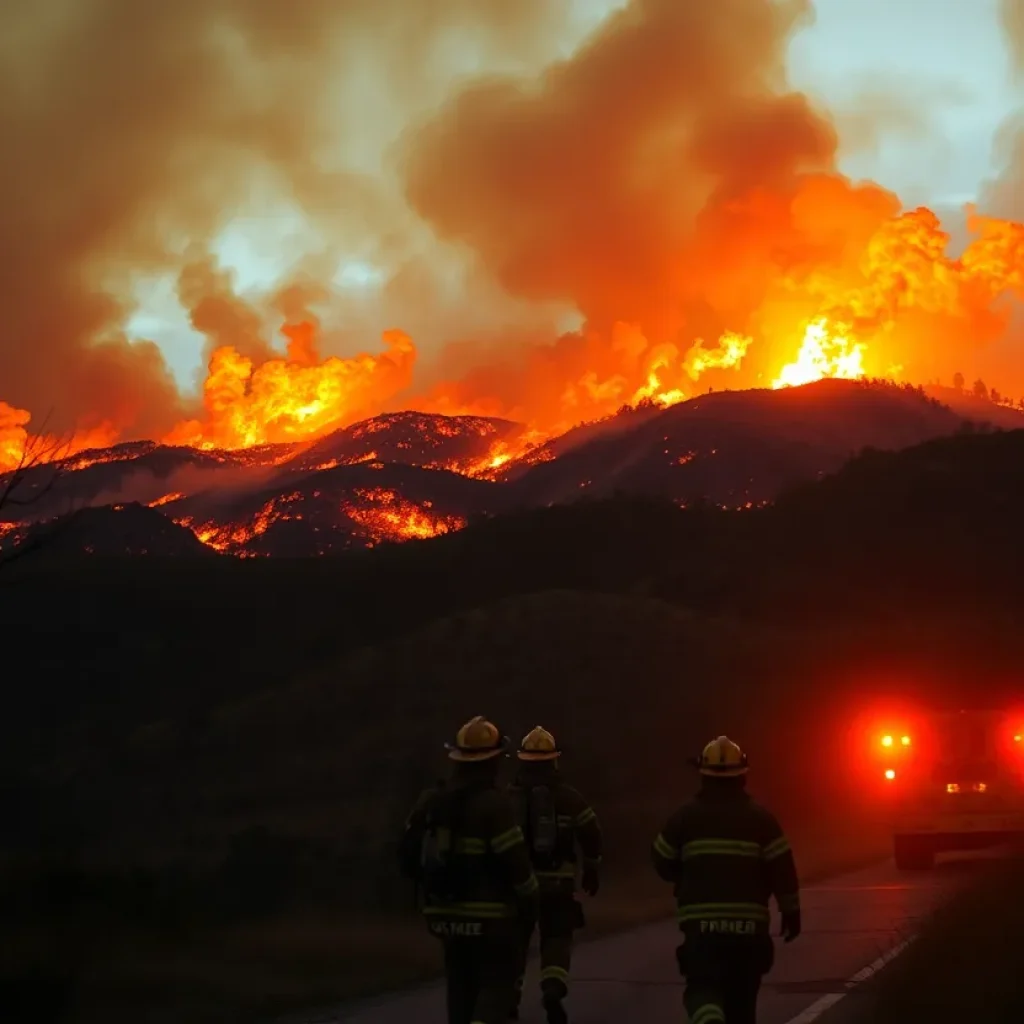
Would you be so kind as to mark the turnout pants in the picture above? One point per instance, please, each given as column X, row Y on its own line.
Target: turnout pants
column 560, row 915
column 723, row 979
column 480, row 974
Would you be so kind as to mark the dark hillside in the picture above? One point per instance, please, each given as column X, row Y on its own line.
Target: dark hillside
column 736, row 448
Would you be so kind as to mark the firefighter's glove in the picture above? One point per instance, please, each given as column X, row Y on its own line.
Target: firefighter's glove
column 790, row 925
column 591, row 881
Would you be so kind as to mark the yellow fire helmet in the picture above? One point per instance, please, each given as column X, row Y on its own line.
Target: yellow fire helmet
column 723, row 758
column 538, row 745
column 477, row 740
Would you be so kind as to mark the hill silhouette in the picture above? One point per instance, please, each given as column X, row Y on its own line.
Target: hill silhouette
column 738, row 447
column 977, row 409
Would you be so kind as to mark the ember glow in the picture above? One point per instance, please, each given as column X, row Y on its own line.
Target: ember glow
column 232, row 538
column 386, row 516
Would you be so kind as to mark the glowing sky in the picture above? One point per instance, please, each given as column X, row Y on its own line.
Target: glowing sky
column 941, row 80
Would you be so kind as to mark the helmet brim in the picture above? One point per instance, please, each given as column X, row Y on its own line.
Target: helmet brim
column 467, row 754
column 731, row 772
column 538, row 755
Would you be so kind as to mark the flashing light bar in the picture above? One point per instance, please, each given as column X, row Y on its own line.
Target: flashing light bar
column 890, row 741
column 952, row 787
column 890, row 774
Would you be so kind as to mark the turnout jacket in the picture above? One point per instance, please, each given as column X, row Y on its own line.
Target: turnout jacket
column 577, row 824
column 726, row 856
column 495, row 880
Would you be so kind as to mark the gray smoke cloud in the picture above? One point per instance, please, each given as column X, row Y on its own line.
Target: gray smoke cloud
column 134, row 131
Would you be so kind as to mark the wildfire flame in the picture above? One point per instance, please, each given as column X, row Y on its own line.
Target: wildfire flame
column 298, row 398
column 387, row 516
column 868, row 317
column 231, row 538
column 826, row 351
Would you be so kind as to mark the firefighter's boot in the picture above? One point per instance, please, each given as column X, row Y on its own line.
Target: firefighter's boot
column 553, row 991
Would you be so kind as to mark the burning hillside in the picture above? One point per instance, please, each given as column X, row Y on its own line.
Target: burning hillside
column 411, row 476
column 656, row 180
column 329, row 510
column 472, row 445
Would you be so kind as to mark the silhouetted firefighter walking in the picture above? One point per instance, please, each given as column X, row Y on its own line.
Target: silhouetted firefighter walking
column 555, row 820
column 465, row 849
column 726, row 856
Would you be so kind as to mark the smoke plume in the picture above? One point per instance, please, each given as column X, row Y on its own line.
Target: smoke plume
column 1004, row 195
column 558, row 230
column 134, row 131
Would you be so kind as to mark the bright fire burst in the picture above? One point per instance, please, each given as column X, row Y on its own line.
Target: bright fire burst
column 826, row 351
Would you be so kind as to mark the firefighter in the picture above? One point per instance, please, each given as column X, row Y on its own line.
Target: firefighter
column 726, row 856
column 555, row 820
column 465, row 850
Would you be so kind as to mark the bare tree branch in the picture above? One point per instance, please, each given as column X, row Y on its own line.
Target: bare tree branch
column 42, row 461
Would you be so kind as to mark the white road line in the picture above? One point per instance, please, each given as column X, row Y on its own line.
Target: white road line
column 819, row 1006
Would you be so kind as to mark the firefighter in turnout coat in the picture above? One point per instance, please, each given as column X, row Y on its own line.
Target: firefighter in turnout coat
column 726, row 856
column 465, row 850
column 556, row 820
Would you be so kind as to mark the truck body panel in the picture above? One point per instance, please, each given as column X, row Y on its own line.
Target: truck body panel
column 957, row 784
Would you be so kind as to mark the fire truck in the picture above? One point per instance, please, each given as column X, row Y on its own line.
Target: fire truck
column 955, row 781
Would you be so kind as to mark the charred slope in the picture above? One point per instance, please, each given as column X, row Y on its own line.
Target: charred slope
column 138, row 471
column 917, row 535
column 738, row 448
column 978, row 410
column 332, row 510
column 114, row 531
column 628, row 418
column 410, row 438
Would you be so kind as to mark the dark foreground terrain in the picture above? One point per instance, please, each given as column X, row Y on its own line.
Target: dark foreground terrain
column 205, row 761
column 966, row 963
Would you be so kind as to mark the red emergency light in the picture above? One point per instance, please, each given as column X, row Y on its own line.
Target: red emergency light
column 889, row 741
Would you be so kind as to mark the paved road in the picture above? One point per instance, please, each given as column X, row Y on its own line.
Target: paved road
column 851, row 923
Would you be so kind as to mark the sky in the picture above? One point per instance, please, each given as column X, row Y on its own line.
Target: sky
column 939, row 88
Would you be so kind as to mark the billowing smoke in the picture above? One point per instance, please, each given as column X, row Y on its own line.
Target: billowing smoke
column 133, row 132
column 660, row 183
column 1012, row 15
column 1004, row 196
column 582, row 183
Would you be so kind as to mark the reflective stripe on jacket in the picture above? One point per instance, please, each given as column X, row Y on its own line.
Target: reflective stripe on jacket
column 726, row 856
